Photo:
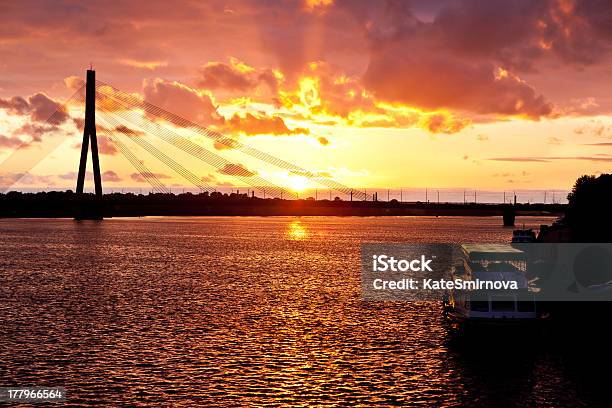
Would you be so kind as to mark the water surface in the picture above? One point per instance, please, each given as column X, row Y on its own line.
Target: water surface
column 249, row 311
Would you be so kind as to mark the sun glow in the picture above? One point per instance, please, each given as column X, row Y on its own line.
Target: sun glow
column 297, row 183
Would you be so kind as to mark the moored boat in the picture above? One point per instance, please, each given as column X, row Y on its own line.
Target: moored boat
column 493, row 264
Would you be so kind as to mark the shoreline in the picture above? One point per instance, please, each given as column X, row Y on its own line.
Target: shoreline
column 68, row 205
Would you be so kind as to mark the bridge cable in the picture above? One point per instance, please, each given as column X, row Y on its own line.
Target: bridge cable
column 159, row 155
column 228, row 142
column 201, row 153
column 150, row 177
column 192, row 148
column 22, row 160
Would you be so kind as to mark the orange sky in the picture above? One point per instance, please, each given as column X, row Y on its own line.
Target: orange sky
column 496, row 95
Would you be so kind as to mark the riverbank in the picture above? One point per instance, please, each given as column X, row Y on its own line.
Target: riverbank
column 68, row 205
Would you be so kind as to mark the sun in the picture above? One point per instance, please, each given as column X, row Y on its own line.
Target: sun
column 297, row 183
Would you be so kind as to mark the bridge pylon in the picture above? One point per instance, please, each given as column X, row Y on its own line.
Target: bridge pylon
column 89, row 134
column 90, row 209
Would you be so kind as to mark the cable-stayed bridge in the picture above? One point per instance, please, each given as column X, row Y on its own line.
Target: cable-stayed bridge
column 127, row 120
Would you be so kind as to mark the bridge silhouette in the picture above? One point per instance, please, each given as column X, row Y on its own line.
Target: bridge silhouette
column 122, row 116
column 125, row 119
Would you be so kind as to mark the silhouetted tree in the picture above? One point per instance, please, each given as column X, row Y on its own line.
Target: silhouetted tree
column 589, row 209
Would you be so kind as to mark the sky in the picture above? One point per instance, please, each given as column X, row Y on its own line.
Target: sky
column 490, row 95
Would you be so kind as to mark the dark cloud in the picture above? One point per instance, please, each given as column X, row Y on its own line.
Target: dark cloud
column 39, row 107
column 106, row 146
column 453, row 60
column 128, row 131
column 35, row 131
column 10, row 142
column 232, row 169
column 43, row 108
column 251, row 124
column 236, row 76
column 111, row 176
column 225, row 143
column 15, row 105
column 190, row 103
column 429, row 79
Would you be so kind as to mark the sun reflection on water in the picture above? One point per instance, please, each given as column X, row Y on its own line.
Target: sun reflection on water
column 296, row 231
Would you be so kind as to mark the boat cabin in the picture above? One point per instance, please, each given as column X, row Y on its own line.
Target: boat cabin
column 490, row 265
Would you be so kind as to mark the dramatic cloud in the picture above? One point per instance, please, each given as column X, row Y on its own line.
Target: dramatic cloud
column 74, row 83
column 39, row 107
column 521, row 32
column 232, row 169
column 9, row 142
column 105, row 146
column 326, row 96
column 251, row 124
column 324, row 89
column 15, row 105
column 237, row 76
column 43, row 108
column 431, row 80
column 190, row 103
column 111, row 176
column 442, row 123
column 128, row 131
column 225, row 143
column 35, row 131
column 247, row 67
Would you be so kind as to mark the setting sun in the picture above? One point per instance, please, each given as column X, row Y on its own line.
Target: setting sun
column 297, row 183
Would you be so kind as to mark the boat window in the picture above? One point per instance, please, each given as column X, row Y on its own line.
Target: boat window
column 503, row 304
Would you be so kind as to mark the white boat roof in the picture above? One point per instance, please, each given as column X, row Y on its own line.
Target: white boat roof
column 492, row 252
